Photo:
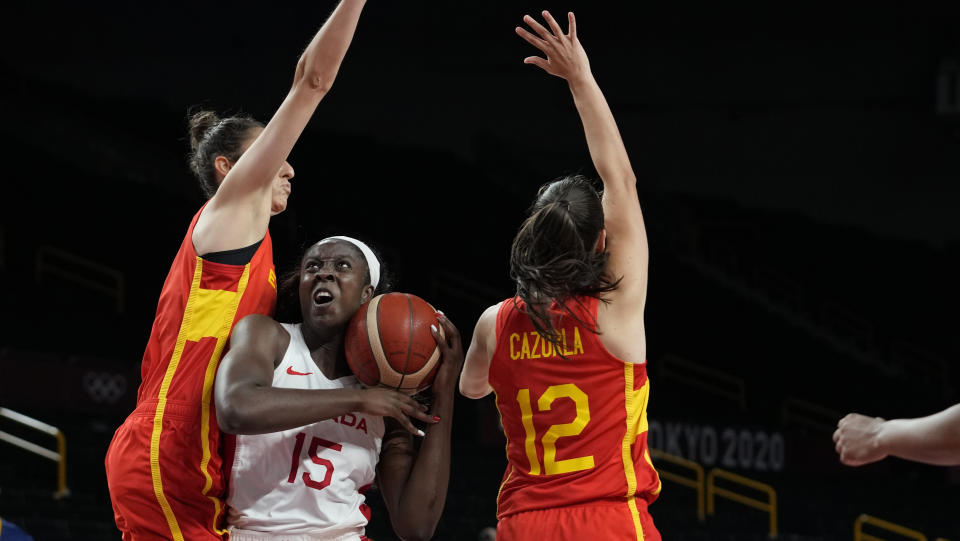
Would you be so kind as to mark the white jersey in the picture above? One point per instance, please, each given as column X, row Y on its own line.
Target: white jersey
column 308, row 480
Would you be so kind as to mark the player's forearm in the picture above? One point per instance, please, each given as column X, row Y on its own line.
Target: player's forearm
column 320, row 62
column 934, row 439
column 425, row 491
column 260, row 410
column 603, row 137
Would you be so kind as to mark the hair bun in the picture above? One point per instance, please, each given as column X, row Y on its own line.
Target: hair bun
column 199, row 124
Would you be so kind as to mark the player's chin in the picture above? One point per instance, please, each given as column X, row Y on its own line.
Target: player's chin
column 327, row 315
column 278, row 205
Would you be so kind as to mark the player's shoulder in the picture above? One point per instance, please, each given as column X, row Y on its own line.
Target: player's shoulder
column 490, row 313
column 488, row 320
column 260, row 327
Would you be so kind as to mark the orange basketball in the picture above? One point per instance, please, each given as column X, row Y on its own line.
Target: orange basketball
column 388, row 343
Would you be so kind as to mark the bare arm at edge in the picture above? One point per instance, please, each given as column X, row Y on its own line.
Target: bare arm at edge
column 934, row 439
column 238, row 214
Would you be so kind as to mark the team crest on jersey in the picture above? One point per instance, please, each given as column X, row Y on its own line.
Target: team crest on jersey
column 272, row 278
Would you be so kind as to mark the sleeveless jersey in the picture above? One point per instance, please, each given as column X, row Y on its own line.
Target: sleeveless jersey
column 175, row 418
column 576, row 425
column 308, row 480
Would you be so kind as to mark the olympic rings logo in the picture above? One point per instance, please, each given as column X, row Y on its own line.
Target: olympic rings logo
column 103, row 387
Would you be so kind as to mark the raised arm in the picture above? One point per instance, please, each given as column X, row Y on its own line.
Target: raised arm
column 239, row 213
column 934, row 439
column 626, row 238
column 414, row 484
column 247, row 402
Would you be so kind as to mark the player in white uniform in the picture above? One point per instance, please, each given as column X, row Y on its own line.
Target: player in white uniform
column 309, row 437
column 336, row 458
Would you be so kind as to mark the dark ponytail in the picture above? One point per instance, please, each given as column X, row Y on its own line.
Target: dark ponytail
column 553, row 258
column 211, row 136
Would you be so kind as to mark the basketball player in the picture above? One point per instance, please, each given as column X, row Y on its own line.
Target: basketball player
column 310, row 438
column 934, row 439
column 566, row 355
column 163, row 466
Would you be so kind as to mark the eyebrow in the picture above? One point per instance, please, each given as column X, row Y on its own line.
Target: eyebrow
column 344, row 255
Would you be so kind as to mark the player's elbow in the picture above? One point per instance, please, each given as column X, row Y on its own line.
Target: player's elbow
column 232, row 416
column 317, row 82
column 313, row 81
column 474, row 390
column 420, row 523
column 228, row 420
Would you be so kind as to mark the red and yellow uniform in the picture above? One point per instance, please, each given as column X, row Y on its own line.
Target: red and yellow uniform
column 576, row 427
column 164, row 464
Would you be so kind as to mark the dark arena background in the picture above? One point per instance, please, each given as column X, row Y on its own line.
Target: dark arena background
column 797, row 168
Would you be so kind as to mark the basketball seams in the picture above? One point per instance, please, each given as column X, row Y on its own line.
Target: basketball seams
column 410, row 326
column 388, row 378
column 366, row 332
column 408, row 366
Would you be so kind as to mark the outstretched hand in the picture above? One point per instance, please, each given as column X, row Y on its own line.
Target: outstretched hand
column 565, row 57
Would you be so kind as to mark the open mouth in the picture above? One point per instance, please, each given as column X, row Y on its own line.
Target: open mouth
column 322, row 296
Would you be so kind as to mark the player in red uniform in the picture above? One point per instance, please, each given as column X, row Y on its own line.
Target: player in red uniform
column 163, row 466
column 566, row 356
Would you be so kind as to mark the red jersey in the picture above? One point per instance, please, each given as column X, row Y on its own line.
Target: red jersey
column 576, row 425
column 172, row 438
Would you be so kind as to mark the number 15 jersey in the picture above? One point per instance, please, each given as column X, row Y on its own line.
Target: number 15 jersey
column 576, row 424
column 309, row 480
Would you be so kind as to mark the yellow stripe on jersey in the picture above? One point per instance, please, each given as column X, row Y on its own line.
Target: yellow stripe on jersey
column 208, row 314
column 634, row 406
column 219, row 308
column 162, row 403
column 506, row 450
column 642, row 397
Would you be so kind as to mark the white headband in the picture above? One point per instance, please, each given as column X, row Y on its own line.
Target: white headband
column 372, row 262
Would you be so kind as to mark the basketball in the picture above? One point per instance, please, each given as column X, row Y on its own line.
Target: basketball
column 389, row 344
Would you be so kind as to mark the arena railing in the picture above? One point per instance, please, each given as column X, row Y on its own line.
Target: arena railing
column 696, row 483
column 769, row 506
column 81, row 271
column 704, row 378
column 859, row 535
column 60, row 457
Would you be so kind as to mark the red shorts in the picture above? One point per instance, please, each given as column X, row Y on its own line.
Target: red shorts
column 606, row 520
column 137, row 508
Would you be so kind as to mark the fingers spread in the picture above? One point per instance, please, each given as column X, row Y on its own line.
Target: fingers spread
column 531, row 39
column 537, row 27
column 554, row 27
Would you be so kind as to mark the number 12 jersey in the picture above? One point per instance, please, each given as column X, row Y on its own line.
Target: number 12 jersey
column 574, row 416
